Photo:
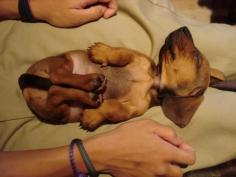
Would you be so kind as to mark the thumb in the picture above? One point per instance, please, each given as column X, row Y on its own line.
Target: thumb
column 92, row 13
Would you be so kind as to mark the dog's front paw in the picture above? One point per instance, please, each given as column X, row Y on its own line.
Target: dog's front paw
column 91, row 119
column 98, row 53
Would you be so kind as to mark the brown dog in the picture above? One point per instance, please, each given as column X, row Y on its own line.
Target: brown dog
column 116, row 84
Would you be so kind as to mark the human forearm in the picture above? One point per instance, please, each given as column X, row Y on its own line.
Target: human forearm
column 50, row 162
column 37, row 163
column 9, row 9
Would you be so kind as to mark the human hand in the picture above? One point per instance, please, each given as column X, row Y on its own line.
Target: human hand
column 71, row 13
column 140, row 148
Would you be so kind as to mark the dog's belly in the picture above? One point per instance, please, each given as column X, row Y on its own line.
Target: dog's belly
column 120, row 80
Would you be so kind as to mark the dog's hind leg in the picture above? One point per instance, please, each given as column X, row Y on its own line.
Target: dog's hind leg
column 88, row 82
column 57, row 95
column 62, row 75
column 61, row 100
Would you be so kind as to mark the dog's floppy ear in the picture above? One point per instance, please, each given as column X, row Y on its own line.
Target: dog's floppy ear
column 180, row 110
column 216, row 76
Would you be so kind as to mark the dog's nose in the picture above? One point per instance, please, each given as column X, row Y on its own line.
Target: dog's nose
column 186, row 32
column 181, row 32
column 182, row 38
column 184, row 29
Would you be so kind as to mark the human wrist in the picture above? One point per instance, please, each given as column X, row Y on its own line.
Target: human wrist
column 38, row 9
column 10, row 9
column 96, row 151
column 100, row 150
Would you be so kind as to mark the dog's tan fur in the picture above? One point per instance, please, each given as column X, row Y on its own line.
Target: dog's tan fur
column 132, row 83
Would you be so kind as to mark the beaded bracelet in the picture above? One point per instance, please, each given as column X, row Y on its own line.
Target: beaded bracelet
column 91, row 170
column 76, row 172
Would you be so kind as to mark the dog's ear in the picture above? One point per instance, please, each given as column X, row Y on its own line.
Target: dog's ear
column 216, row 76
column 180, row 110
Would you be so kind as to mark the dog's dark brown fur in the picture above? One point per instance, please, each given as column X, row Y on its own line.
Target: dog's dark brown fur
column 116, row 84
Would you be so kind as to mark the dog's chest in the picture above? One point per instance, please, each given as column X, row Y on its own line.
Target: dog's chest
column 121, row 81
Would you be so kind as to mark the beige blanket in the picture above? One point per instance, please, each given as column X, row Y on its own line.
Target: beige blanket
column 141, row 25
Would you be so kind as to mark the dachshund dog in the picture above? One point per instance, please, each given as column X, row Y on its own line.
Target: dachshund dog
column 115, row 84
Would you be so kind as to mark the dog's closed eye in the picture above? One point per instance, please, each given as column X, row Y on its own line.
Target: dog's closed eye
column 197, row 58
column 197, row 91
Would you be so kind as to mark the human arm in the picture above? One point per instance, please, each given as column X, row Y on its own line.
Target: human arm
column 9, row 9
column 66, row 13
column 37, row 163
column 135, row 149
